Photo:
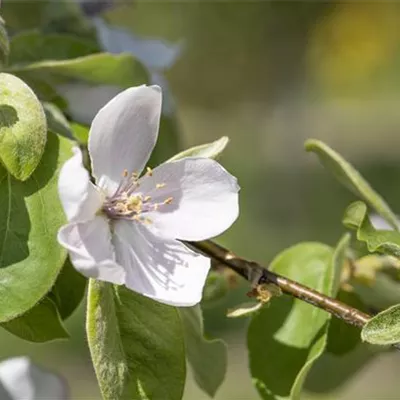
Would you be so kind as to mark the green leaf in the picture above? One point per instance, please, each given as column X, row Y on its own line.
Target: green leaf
column 42, row 323
column 56, row 121
column 68, row 290
column 384, row 328
column 137, row 344
column 346, row 174
column 30, row 216
column 208, row 358
column 4, row 44
column 208, row 150
column 387, row 242
column 121, row 70
column 286, row 338
column 343, row 337
column 33, row 46
column 22, row 127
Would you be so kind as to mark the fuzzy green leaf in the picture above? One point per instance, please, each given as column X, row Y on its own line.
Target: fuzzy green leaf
column 30, row 216
column 208, row 358
column 384, row 328
column 23, row 127
column 346, row 174
column 137, row 345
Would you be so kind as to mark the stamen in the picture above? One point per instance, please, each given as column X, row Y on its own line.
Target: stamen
column 149, row 171
column 125, row 173
column 168, row 200
column 160, row 185
column 146, row 199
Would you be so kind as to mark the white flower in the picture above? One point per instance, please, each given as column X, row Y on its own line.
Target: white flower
column 20, row 379
column 126, row 228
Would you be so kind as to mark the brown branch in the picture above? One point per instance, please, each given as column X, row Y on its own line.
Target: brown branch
column 257, row 274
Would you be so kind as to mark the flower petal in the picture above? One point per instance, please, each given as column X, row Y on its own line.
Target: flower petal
column 123, row 134
column 90, row 249
column 79, row 197
column 163, row 269
column 204, row 203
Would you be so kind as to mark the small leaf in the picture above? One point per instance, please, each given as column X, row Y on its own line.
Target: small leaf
column 209, row 150
column 69, row 290
column 23, row 127
column 30, row 216
column 286, row 338
column 346, row 174
column 137, row 344
column 4, row 44
column 56, row 121
column 245, row 309
column 40, row 324
column 387, row 242
column 384, row 328
column 208, row 358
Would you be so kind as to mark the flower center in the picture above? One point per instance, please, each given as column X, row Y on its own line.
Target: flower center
column 128, row 202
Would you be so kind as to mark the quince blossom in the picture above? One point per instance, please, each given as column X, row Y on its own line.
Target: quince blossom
column 126, row 228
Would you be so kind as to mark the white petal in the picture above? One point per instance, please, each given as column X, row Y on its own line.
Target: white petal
column 90, row 249
column 79, row 197
column 21, row 379
column 123, row 134
column 163, row 269
column 204, row 199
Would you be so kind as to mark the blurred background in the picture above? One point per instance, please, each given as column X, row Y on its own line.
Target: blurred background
column 269, row 75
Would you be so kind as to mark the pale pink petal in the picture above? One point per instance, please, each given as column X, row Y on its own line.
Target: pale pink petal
column 123, row 134
column 79, row 197
column 91, row 251
column 162, row 269
column 204, row 199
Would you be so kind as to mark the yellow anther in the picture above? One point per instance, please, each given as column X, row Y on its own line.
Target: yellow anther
column 160, row 185
column 149, row 171
column 155, row 207
column 125, row 173
column 134, row 203
column 135, row 175
column 168, row 200
column 147, row 221
column 146, row 199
